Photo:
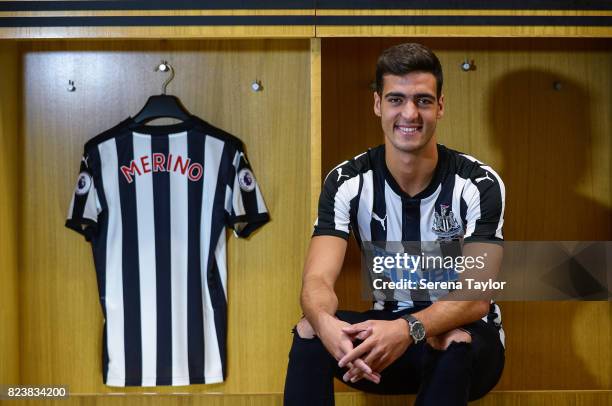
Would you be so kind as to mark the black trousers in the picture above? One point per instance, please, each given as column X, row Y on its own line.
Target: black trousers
column 462, row 372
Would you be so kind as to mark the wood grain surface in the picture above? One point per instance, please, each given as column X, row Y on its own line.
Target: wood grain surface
column 410, row 30
column 171, row 32
column 510, row 398
column 315, row 125
column 61, row 316
column 10, row 167
column 319, row 28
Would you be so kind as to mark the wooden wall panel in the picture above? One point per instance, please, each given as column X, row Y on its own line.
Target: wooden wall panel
column 551, row 147
column 429, row 31
column 315, row 125
column 510, row 398
column 255, row 28
column 381, row 28
column 184, row 32
column 328, row 23
column 62, row 323
column 9, row 213
column 165, row 400
column 585, row 398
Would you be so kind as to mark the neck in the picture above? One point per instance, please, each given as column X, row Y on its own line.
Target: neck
column 412, row 171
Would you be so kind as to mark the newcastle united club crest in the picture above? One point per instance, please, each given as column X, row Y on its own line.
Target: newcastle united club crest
column 445, row 225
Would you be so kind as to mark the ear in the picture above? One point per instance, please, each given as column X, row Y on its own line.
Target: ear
column 377, row 104
column 440, row 107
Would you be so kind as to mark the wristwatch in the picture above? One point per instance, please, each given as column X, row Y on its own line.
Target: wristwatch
column 416, row 329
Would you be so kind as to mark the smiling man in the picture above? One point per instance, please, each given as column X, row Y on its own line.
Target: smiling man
column 409, row 189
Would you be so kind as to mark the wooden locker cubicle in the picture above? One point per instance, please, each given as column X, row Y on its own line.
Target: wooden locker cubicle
column 552, row 152
column 60, row 316
column 314, row 111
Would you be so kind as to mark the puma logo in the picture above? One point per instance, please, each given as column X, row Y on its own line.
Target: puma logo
column 382, row 220
column 340, row 175
column 486, row 177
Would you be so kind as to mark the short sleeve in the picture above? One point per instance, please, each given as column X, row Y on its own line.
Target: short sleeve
column 339, row 189
column 244, row 202
column 85, row 204
column 484, row 198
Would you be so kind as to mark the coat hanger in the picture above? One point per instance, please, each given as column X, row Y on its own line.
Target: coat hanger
column 162, row 105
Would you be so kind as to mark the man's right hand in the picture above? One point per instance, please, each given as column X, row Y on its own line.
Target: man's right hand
column 338, row 344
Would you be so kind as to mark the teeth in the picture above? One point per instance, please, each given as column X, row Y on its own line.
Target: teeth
column 408, row 130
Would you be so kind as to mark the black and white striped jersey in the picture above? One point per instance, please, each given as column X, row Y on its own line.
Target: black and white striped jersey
column 465, row 199
column 155, row 201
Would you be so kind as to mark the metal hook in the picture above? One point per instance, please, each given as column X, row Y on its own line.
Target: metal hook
column 164, row 66
column 468, row 65
column 256, row 86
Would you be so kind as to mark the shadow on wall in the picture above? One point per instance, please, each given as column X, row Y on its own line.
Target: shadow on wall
column 547, row 141
column 543, row 125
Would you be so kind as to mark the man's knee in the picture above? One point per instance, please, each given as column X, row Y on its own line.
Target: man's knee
column 306, row 347
column 443, row 341
column 304, row 329
column 458, row 336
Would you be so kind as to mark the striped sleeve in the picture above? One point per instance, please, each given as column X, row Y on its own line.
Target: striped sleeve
column 244, row 202
column 341, row 186
column 484, row 197
column 85, row 205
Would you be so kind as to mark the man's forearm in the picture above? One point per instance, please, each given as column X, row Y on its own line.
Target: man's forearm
column 444, row 316
column 322, row 267
column 318, row 301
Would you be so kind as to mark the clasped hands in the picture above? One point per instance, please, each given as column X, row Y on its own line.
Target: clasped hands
column 382, row 342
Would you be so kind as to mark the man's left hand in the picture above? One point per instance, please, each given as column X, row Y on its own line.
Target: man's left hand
column 385, row 342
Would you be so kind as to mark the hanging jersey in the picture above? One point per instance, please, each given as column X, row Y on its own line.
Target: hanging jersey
column 464, row 200
column 154, row 201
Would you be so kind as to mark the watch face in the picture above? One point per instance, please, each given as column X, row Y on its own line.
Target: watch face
column 417, row 331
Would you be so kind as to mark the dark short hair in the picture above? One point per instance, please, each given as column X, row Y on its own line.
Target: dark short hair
column 406, row 58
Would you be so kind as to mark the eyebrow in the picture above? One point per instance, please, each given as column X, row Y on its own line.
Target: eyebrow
column 418, row 95
column 427, row 95
column 395, row 94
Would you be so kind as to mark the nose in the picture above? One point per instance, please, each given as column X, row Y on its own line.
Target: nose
column 410, row 111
